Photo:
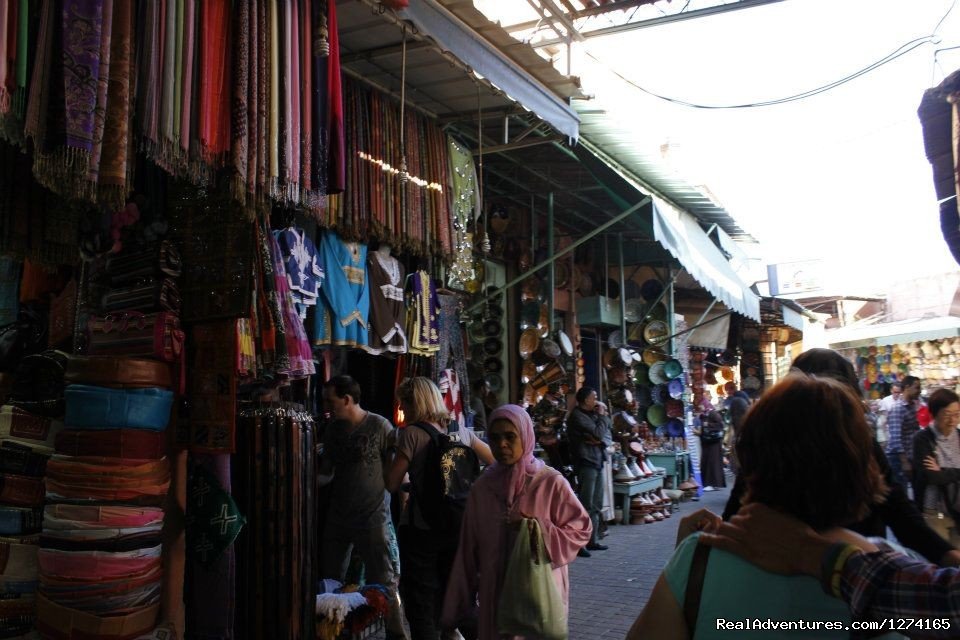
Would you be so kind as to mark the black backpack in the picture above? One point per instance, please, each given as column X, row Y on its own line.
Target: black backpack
column 449, row 472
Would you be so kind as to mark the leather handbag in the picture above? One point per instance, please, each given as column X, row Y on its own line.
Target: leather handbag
column 118, row 373
column 152, row 261
column 132, row 333
column 152, row 294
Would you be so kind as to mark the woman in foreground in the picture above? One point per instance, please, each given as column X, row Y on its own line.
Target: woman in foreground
column 801, row 451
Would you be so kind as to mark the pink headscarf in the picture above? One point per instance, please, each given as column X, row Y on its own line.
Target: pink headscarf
column 512, row 478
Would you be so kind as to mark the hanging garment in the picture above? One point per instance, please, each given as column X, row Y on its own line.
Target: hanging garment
column 422, row 317
column 304, row 274
column 387, row 333
column 298, row 346
column 451, row 354
column 449, row 385
column 342, row 318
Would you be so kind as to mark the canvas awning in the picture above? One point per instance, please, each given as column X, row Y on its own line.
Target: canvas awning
column 893, row 333
column 453, row 35
column 681, row 235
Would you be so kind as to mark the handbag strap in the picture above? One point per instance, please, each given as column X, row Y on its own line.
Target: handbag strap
column 691, row 598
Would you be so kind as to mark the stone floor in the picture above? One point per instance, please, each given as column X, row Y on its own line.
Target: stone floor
column 608, row 589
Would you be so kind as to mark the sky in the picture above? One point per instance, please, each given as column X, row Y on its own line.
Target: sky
column 839, row 176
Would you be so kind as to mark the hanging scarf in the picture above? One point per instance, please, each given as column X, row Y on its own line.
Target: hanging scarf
column 115, row 166
column 214, row 124
column 263, row 98
column 511, row 479
column 312, row 200
column 318, row 101
column 167, row 92
column 337, row 144
column 38, row 104
column 8, row 19
column 100, row 112
column 241, row 86
column 188, row 77
column 148, row 76
column 273, row 176
column 23, row 44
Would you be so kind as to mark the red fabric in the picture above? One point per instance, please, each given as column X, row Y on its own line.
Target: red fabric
column 337, row 179
column 118, row 443
column 924, row 418
column 215, row 80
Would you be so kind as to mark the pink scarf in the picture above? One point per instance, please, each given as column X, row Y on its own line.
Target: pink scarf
column 513, row 478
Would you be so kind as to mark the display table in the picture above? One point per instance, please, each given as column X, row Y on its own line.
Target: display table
column 676, row 464
column 628, row 489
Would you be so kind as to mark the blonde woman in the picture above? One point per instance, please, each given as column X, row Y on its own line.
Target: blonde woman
column 427, row 546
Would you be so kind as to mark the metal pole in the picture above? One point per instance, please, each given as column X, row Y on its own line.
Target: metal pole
column 606, row 225
column 670, row 323
column 623, row 288
column 606, row 266
column 551, row 269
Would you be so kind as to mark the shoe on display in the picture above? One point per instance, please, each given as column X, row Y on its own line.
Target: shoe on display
column 583, row 553
column 709, row 489
column 597, row 547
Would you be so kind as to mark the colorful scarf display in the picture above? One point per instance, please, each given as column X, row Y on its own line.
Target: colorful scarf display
column 213, row 91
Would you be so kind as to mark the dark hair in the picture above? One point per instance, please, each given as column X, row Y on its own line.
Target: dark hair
column 804, row 447
column 940, row 399
column 908, row 382
column 827, row 362
column 344, row 386
column 583, row 393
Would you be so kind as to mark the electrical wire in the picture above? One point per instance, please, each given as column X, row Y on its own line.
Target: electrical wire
column 900, row 51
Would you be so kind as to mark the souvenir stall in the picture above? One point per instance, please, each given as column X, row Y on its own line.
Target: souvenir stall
column 884, row 354
column 200, row 221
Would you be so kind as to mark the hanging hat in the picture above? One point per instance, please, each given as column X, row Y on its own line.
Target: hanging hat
column 651, row 289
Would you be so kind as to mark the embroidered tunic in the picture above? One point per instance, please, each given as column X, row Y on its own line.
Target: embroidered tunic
column 387, row 333
column 304, row 274
column 423, row 324
column 344, row 307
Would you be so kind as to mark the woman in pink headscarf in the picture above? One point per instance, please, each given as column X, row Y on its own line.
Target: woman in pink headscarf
column 516, row 486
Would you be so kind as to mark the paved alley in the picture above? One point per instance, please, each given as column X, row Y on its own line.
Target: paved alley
column 609, row 589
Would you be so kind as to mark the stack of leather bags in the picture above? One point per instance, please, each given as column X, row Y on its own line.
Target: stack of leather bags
column 29, row 425
column 100, row 557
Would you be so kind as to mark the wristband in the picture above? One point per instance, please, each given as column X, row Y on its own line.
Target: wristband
column 831, row 566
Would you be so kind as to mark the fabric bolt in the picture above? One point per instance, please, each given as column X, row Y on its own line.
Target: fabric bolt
column 104, row 565
column 16, row 521
column 72, row 516
column 63, row 623
column 20, row 491
column 18, row 561
column 98, row 584
column 121, row 544
column 22, row 428
column 20, row 460
column 101, row 604
column 118, row 443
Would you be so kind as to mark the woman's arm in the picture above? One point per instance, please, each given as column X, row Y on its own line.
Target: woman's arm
column 565, row 524
column 398, row 468
column 482, row 450
column 661, row 618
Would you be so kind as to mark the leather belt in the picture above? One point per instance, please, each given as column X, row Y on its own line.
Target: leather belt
column 108, row 371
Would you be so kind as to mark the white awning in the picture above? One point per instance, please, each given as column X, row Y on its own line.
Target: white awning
column 681, row 235
column 454, row 36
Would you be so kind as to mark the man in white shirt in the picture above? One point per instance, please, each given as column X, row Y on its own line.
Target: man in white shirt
column 883, row 411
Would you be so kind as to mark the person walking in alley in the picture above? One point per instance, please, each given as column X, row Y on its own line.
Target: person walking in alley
column 358, row 446
column 430, row 523
column 588, row 428
column 901, row 426
column 517, row 487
